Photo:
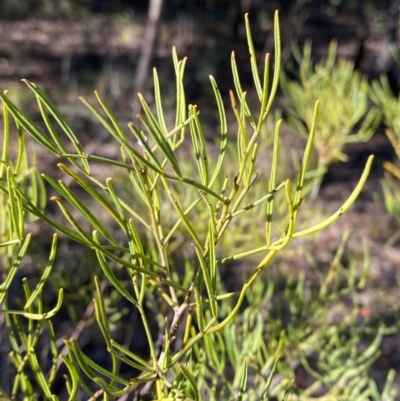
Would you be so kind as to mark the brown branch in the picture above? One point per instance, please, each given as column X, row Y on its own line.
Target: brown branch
column 147, row 51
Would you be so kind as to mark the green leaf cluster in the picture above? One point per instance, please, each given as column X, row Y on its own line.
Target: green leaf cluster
column 344, row 96
column 157, row 233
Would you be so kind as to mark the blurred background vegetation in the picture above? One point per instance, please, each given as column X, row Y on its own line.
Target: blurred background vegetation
column 71, row 47
column 86, row 44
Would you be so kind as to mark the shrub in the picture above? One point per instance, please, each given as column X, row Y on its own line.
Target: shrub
column 159, row 252
column 343, row 93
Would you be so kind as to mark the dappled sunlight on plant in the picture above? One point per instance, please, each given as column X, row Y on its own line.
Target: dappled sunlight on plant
column 164, row 225
column 343, row 93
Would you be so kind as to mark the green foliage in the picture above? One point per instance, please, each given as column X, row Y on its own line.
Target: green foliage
column 21, row 183
column 383, row 96
column 280, row 332
column 299, row 321
column 159, row 233
column 343, row 93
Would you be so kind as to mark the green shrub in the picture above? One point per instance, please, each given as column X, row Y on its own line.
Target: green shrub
column 383, row 96
column 158, row 244
column 343, row 93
